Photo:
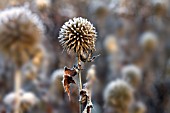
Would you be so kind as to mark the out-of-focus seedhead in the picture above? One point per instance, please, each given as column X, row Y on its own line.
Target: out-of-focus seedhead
column 20, row 33
column 118, row 94
column 132, row 74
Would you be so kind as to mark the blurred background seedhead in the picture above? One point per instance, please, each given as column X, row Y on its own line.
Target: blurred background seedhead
column 99, row 9
column 42, row 5
column 111, row 44
column 160, row 7
column 28, row 100
column 132, row 74
column 149, row 41
column 21, row 31
column 119, row 95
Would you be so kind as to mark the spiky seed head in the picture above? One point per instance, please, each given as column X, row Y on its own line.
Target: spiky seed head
column 118, row 94
column 20, row 32
column 78, row 35
column 132, row 74
column 149, row 41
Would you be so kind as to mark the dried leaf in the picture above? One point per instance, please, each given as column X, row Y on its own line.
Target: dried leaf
column 83, row 96
column 85, row 99
column 88, row 108
column 71, row 72
column 68, row 79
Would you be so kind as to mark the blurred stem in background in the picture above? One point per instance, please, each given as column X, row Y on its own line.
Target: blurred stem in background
column 17, row 86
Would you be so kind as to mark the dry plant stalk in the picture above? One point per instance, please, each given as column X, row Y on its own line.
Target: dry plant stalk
column 77, row 35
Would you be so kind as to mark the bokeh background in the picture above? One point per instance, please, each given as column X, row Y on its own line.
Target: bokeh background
column 132, row 37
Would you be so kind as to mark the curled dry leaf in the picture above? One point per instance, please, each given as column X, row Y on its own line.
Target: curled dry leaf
column 88, row 106
column 85, row 98
column 87, row 109
column 71, row 72
column 68, row 78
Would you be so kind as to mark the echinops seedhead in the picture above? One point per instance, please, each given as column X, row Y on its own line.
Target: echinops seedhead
column 78, row 35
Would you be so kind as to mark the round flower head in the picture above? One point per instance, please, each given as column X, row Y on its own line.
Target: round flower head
column 20, row 32
column 118, row 94
column 78, row 35
column 132, row 74
column 149, row 41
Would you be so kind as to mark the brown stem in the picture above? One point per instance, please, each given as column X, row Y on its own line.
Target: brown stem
column 79, row 74
column 80, row 82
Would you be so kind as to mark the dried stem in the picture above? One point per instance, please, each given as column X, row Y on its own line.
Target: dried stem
column 17, row 86
column 80, row 82
column 79, row 74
